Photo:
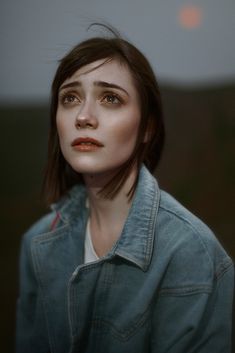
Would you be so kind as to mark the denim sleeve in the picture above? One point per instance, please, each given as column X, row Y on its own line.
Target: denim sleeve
column 199, row 322
column 31, row 328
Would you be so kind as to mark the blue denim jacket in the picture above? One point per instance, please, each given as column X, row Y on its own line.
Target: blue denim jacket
column 166, row 285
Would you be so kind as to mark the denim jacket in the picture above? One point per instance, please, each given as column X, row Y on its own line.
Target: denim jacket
column 166, row 286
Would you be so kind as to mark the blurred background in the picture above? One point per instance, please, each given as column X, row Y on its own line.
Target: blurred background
column 191, row 47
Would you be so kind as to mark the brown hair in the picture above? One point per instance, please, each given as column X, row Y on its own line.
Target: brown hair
column 59, row 176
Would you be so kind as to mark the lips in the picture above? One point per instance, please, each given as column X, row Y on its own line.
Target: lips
column 86, row 141
column 86, row 144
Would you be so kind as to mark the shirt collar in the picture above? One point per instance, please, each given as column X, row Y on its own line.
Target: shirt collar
column 136, row 241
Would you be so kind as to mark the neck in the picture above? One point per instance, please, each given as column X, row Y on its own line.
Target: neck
column 105, row 209
column 107, row 217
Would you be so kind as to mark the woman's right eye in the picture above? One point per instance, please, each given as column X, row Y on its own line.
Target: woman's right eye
column 68, row 99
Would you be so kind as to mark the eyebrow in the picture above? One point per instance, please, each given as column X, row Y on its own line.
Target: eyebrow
column 71, row 84
column 96, row 83
column 110, row 85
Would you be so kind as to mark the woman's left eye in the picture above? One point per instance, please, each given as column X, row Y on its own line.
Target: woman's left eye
column 111, row 99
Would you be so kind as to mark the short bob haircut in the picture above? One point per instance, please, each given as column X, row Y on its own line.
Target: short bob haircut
column 59, row 176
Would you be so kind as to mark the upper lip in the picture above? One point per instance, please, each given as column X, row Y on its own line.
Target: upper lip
column 80, row 140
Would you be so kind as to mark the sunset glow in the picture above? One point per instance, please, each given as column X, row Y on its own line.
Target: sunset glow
column 190, row 16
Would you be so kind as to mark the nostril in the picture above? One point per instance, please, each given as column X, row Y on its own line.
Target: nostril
column 77, row 124
column 87, row 121
column 85, row 125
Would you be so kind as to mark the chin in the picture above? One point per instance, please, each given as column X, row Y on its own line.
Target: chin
column 94, row 168
column 88, row 168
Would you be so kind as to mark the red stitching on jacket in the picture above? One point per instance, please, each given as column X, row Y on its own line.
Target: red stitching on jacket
column 55, row 221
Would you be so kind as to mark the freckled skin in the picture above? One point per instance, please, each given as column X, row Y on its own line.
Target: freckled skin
column 109, row 115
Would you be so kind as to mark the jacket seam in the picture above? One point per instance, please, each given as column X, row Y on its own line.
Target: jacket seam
column 51, row 235
column 224, row 267
column 185, row 290
column 190, row 225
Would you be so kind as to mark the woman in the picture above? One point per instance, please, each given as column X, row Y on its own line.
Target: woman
column 118, row 265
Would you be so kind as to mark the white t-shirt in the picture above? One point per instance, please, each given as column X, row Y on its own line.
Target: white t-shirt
column 90, row 254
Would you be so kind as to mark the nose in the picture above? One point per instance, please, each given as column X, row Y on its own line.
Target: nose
column 86, row 118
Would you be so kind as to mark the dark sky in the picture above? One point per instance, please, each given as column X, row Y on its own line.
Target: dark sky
column 187, row 42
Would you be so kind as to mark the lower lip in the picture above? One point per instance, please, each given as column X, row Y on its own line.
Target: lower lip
column 86, row 148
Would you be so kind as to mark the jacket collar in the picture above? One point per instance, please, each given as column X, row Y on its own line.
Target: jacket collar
column 72, row 204
column 136, row 241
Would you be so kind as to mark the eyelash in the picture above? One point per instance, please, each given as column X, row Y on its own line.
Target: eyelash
column 64, row 98
column 113, row 96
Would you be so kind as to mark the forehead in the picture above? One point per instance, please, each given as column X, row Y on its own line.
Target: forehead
column 112, row 71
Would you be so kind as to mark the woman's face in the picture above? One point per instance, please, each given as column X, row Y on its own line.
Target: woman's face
column 98, row 118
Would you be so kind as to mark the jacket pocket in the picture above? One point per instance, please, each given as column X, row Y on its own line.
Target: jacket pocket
column 124, row 325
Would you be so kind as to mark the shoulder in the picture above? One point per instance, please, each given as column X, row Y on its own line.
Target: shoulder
column 62, row 212
column 41, row 226
column 192, row 246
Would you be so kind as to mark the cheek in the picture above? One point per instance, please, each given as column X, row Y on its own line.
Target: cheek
column 127, row 131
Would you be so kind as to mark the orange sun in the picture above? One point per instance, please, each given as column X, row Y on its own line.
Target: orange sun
column 190, row 17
